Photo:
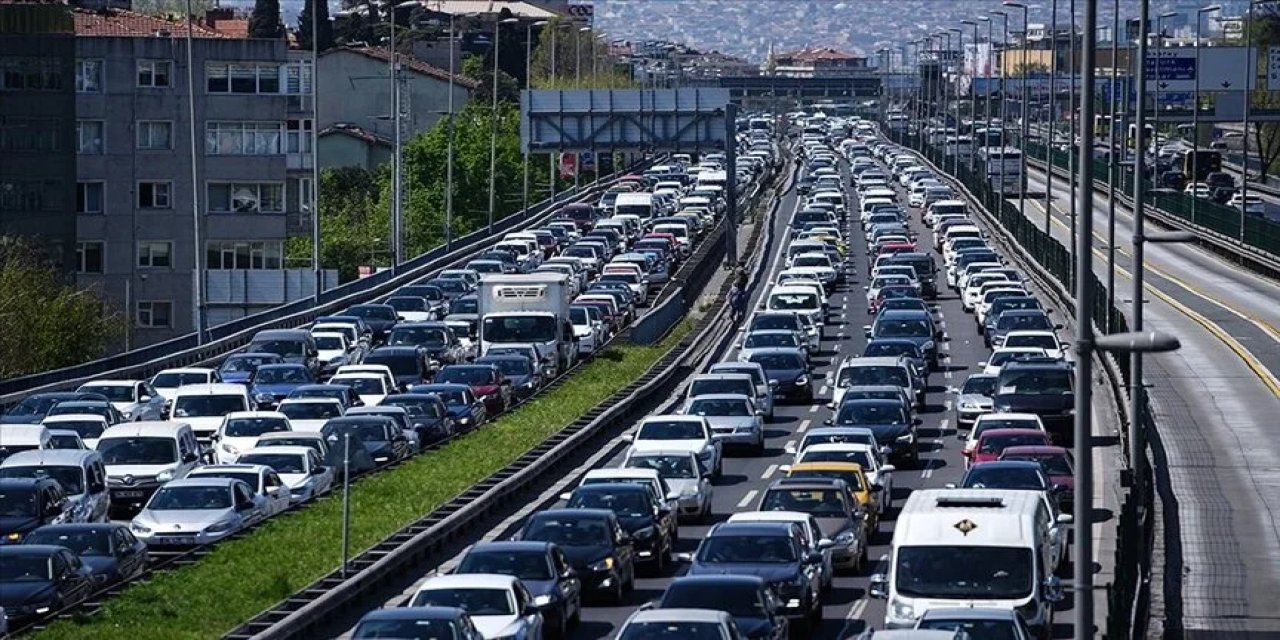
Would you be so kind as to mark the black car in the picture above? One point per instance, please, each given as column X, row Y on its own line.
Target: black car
column 1001, row 305
column 36, row 580
column 599, row 550
column 409, row 365
column 545, row 571
column 381, row 436
column 110, row 550
column 428, row 415
column 359, row 458
column 749, row 599
column 888, row 420
column 437, row 338
column 379, row 317
column 1018, row 320
column 525, row 377
column 27, row 504
column 97, row 407
column 35, row 407
column 1043, row 386
column 649, row 523
column 340, row 392
column 788, row 372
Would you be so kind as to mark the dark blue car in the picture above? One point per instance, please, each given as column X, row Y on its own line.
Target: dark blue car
column 109, row 550
column 238, row 368
column 38, row 579
column 753, row 605
column 542, row 567
column 428, row 415
column 916, row 326
column 466, row 411
column 272, row 383
column 892, row 424
column 35, row 407
column 416, row 622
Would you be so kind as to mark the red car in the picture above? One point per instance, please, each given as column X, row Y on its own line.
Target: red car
column 993, row 443
column 1056, row 461
column 486, row 382
column 583, row 215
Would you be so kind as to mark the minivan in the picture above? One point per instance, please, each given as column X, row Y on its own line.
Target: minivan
column 142, row 456
column 203, row 406
column 16, row 438
column 81, row 473
column 296, row 346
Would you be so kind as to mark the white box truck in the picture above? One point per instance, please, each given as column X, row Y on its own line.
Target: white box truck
column 528, row 309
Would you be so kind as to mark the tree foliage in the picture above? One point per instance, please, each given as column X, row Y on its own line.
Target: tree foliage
column 480, row 69
column 323, row 25
column 265, row 22
column 1265, row 32
column 564, row 43
column 354, row 222
column 48, row 322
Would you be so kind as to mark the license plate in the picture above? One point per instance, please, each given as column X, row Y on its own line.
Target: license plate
column 129, row 494
column 179, row 540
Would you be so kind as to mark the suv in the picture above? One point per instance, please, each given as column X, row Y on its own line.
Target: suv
column 909, row 324
column 1044, row 387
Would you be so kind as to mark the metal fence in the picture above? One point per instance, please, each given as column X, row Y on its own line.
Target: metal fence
column 1128, row 594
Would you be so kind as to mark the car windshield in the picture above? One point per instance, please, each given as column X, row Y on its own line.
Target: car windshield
column 138, row 451
column 236, row 364
column 878, row 348
column 472, row 376
column 281, row 375
column 1053, row 464
column 759, row 340
column 624, row 278
column 818, row 502
column 777, row 361
column 519, row 328
column 248, row 477
column 980, row 573
column 811, row 261
column 407, row 629
column 859, row 457
column 624, row 503
column 476, row 602
column 18, row 503
column 512, row 366
column 113, row 392
column 998, row 443
column 1023, row 322
column 1042, row 341
column 253, row 427
column 670, row 430
column 170, row 498
column 399, row 364
column 366, row 431
column 526, row 565
column 100, row 408
column 372, row 313
column 284, row 348
column 464, row 305
column 579, row 316
column 84, row 428
column 719, row 407
column 887, row 328
column 852, row 479
column 1046, row 382
column 979, row 385
column 709, row 387
column 569, row 532
column 856, row 413
column 672, row 630
column 363, row 385
column 872, row 375
column 986, row 422
column 1004, row 478
column 754, row 549
column 310, row 410
column 329, row 343
column 22, row 568
column 793, row 301
column 740, row 602
column 672, row 466
column 773, row 322
column 419, row 336
column 82, row 542
column 280, row 462
column 71, row 478
column 34, row 406
column 978, row 629
column 408, row 303
column 416, row 407
column 197, row 406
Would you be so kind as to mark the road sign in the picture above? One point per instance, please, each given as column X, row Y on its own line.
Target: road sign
column 1219, row 68
column 582, row 9
column 1273, row 69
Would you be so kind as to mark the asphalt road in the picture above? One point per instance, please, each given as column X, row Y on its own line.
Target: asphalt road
column 847, row 609
column 1215, row 451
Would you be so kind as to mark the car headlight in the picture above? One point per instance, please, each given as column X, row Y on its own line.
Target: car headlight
column 219, row 527
column 139, row 528
column 164, row 476
column 928, row 346
column 968, row 404
column 689, row 491
column 603, row 565
column 127, row 414
column 845, row 538
column 902, row 609
column 542, row 600
column 802, row 380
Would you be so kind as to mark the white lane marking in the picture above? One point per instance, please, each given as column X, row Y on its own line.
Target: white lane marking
column 856, row 611
column 788, row 445
column 746, row 500
column 804, row 426
column 946, row 374
column 822, row 391
column 768, row 471
column 947, row 405
column 813, row 409
column 837, row 346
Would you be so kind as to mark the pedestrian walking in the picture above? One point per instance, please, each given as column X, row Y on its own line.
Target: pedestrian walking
column 737, row 302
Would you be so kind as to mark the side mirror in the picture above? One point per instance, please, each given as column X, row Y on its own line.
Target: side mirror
column 1065, row 518
column 888, row 468
column 144, row 398
column 1058, row 326
column 320, row 470
column 244, row 506
column 879, row 587
column 674, row 495
column 813, row 557
column 917, row 422
column 628, row 438
column 684, row 556
column 876, row 488
column 786, row 468
column 190, row 458
column 950, row 485
column 826, row 543
column 565, row 496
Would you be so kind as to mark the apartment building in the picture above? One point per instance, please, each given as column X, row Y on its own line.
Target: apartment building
column 138, row 155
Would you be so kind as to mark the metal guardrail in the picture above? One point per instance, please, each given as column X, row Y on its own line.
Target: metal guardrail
column 183, row 351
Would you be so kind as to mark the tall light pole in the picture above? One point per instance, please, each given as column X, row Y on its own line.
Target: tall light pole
column 197, row 233
column 1022, row 136
column 1250, row 73
column 315, row 151
column 973, row 109
column 1113, row 162
column 986, row 94
column 1073, row 160
column 493, row 121
column 1004, row 89
column 528, row 84
column 448, row 170
column 1155, row 117
column 1195, row 109
column 1053, row 117
column 956, row 86
column 397, row 208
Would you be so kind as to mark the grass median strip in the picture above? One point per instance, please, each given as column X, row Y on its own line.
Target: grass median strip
column 244, row 577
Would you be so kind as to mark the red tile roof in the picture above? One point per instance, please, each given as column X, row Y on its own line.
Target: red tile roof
column 824, row 53
column 128, row 24
column 410, row 62
column 354, row 131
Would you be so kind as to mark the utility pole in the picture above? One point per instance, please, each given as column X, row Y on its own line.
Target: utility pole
column 1053, row 119
column 1073, row 160
column 315, row 151
column 1112, row 164
column 448, row 170
column 197, row 232
column 396, row 177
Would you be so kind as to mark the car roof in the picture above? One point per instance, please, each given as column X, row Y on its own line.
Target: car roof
column 112, row 383
column 144, row 429
column 202, row 482
column 720, row 396
column 969, row 613
column 1036, row 449
column 287, row 450
column 584, row 514
column 679, row 615
column 469, row 581
column 69, row 417
column 728, row 579
column 256, row 414
column 993, row 433
column 50, row 457
column 872, row 361
column 1008, row 464
column 630, row 472
column 750, row 529
column 217, row 388
column 511, row 545
column 415, row 613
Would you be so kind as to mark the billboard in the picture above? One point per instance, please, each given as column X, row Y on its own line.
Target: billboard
column 1219, row 68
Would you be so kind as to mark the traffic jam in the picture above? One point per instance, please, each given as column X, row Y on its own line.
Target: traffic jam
column 99, row 483
column 863, row 459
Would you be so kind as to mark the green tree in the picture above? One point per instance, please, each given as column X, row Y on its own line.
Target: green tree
column 49, row 323
column 323, row 24
column 265, row 22
column 1265, row 31
column 354, row 222
column 480, row 69
column 574, row 68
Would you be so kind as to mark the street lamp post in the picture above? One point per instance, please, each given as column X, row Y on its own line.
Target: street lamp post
column 1053, row 118
column 1004, row 90
column 493, row 122
column 1195, row 110
column 1073, row 160
column 1155, row 118
column 528, row 84
column 1022, row 138
column 986, row 94
column 973, row 109
column 956, row 82
column 1112, row 163
column 448, row 169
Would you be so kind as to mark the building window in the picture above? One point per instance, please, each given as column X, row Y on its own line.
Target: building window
column 222, row 77
column 155, row 135
column 246, row 197
column 89, row 197
column 154, row 73
column 30, row 74
column 243, row 255
column 243, row 138
column 304, row 194
column 88, row 76
column 297, row 78
column 89, row 257
column 298, row 135
column 31, row 135
column 89, row 138
column 32, row 195
column 156, row 254
column 154, row 313
column 154, row 195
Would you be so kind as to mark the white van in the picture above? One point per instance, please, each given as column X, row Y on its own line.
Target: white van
column 203, row 406
column 982, row 548
column 16, row 438
column 81, row 473
column 635, row 204
column 797, row 299
column 142, row 456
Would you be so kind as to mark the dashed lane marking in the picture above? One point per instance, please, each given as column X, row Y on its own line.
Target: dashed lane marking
column 768, row 472
column 804, row 426
column 746, row 500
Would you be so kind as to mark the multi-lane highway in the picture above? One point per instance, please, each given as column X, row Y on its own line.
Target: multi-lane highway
column 1214, row 403
column 847, row 607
